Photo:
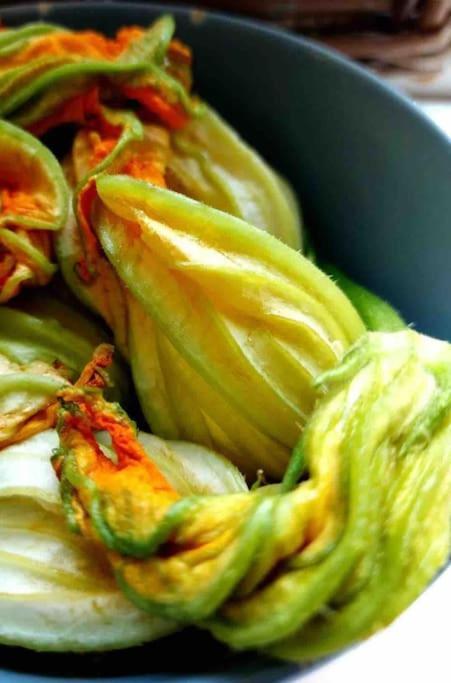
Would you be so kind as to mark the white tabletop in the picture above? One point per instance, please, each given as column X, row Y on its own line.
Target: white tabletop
column 414, row 649
column 440, row 112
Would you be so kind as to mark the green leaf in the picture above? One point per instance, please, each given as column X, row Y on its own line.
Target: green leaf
column 376, row 313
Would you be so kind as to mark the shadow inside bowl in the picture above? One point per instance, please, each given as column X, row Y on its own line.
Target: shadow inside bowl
column 182, row 656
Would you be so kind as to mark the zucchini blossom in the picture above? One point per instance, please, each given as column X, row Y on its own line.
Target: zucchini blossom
column 50, row 75
column 33, row 205
column 44, row 345
column 356, row 530
column 227, row 327
column 58, row 593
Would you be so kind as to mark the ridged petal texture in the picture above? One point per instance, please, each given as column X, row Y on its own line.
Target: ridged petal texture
column 57, row 591
column 41, row 331
column 209, row 160
column 211, row 163
column 205, row 160
column 299, row 569
column 228, row 327
column 58, row 594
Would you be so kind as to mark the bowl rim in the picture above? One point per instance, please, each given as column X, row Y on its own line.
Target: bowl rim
column 400, row 100
column 197, row 15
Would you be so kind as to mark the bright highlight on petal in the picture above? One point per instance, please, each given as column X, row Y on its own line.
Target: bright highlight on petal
column 237, row 325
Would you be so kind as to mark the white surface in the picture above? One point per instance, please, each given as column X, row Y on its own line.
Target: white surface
column 414, row 649
column 439, row 112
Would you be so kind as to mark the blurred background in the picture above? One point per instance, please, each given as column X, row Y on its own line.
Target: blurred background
column 407, row 42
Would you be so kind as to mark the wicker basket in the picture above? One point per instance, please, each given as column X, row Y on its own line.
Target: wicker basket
column 408, row 41
column 318, row 15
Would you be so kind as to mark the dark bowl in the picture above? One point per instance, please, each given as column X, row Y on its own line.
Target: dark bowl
column 374, row 178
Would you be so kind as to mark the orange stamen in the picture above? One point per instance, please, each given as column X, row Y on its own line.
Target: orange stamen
column 96, row 414
column 19, row 202
column 173, row 115
column 84, row 108
column 81, row 44
column 85, row 202
column 145, row 169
